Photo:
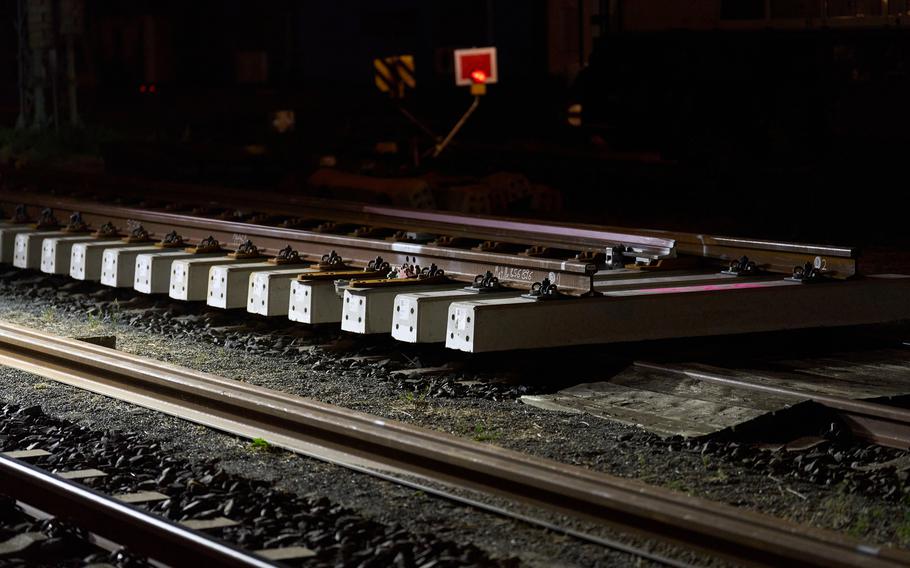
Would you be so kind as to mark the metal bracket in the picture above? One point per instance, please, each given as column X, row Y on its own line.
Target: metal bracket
column 484, row 284
column 331, row 261
column 76, row 224
column 615, row 257
column 107, row 230
column 544, row 290
column 377, row 265
column 138, row 235
column 741, row 267
column 812, row 272
column 208, row 244
column 246, row 250
column 287, row 255
column 47, row 220
column 171, row 240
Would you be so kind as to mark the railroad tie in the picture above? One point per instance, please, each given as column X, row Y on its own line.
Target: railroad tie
column 27, row 248
column 229, row 284
column 269, row 291
column 118, row 265
column 87, row 258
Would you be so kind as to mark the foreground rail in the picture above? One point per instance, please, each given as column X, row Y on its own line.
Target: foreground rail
column 368, row 442
column 141, row 532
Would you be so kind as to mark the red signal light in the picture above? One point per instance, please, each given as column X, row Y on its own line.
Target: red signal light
column 141, row 88
column 478, row 76
column 152, row 88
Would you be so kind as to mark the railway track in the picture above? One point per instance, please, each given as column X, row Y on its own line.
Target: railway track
column 396, row 450
column 114, row 523
column 475, row 284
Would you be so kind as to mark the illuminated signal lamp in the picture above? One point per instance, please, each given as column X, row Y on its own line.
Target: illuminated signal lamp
column 479, row 76
column 142, row 88
column 152, row 88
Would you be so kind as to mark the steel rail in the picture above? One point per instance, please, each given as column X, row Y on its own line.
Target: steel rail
column 460, row 263
column 141, row 532
column 878, row 423
column 329, row 432
column 516, row 231
column 775, row 256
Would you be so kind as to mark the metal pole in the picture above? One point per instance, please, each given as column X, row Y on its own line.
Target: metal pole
column 464, row 118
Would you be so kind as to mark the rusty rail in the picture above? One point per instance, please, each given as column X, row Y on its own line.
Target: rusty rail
column 352, row 438
column 128, row 526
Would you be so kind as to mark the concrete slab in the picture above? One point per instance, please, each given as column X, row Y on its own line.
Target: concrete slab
column 27, row 248
column 190, row 276
column 153, row 270
column 118, row 265
column 56, row 253
column 81, row 474
column 369, row 310
column 8, row 234
column 231, row 286
column 88, row 257
column 420, row 317
column 696, row 399
column 270, row 290
column 141, row 497
column 286, row 553
column 314, row 302
column 740, row 306
column 26, row 454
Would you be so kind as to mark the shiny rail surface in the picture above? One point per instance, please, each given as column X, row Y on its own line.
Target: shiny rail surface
column 128, row 526
column 349, row 438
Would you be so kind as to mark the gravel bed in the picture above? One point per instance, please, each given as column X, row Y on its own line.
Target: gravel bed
column 63, row 544
column 267, row 517
column 837, row 484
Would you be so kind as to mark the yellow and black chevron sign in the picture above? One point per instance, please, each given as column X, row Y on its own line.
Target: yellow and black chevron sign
column 394, row 74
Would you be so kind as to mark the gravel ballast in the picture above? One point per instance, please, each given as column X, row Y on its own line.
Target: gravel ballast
column 836, row 484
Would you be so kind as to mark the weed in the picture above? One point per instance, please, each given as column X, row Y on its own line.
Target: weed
column 41, row 386
column 484, row 434
column 415, row 400
column 865, row 521
column 678, row 485
column 260, row 444
column 48, row 315
column 93, row 322
column 115, row 312
column 719, row 477
column 903, row 530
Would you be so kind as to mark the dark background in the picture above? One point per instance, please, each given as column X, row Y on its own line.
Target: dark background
column 777, row 118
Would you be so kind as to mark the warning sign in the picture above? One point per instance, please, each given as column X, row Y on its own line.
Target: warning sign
column 394, row 74
column 475, row 66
